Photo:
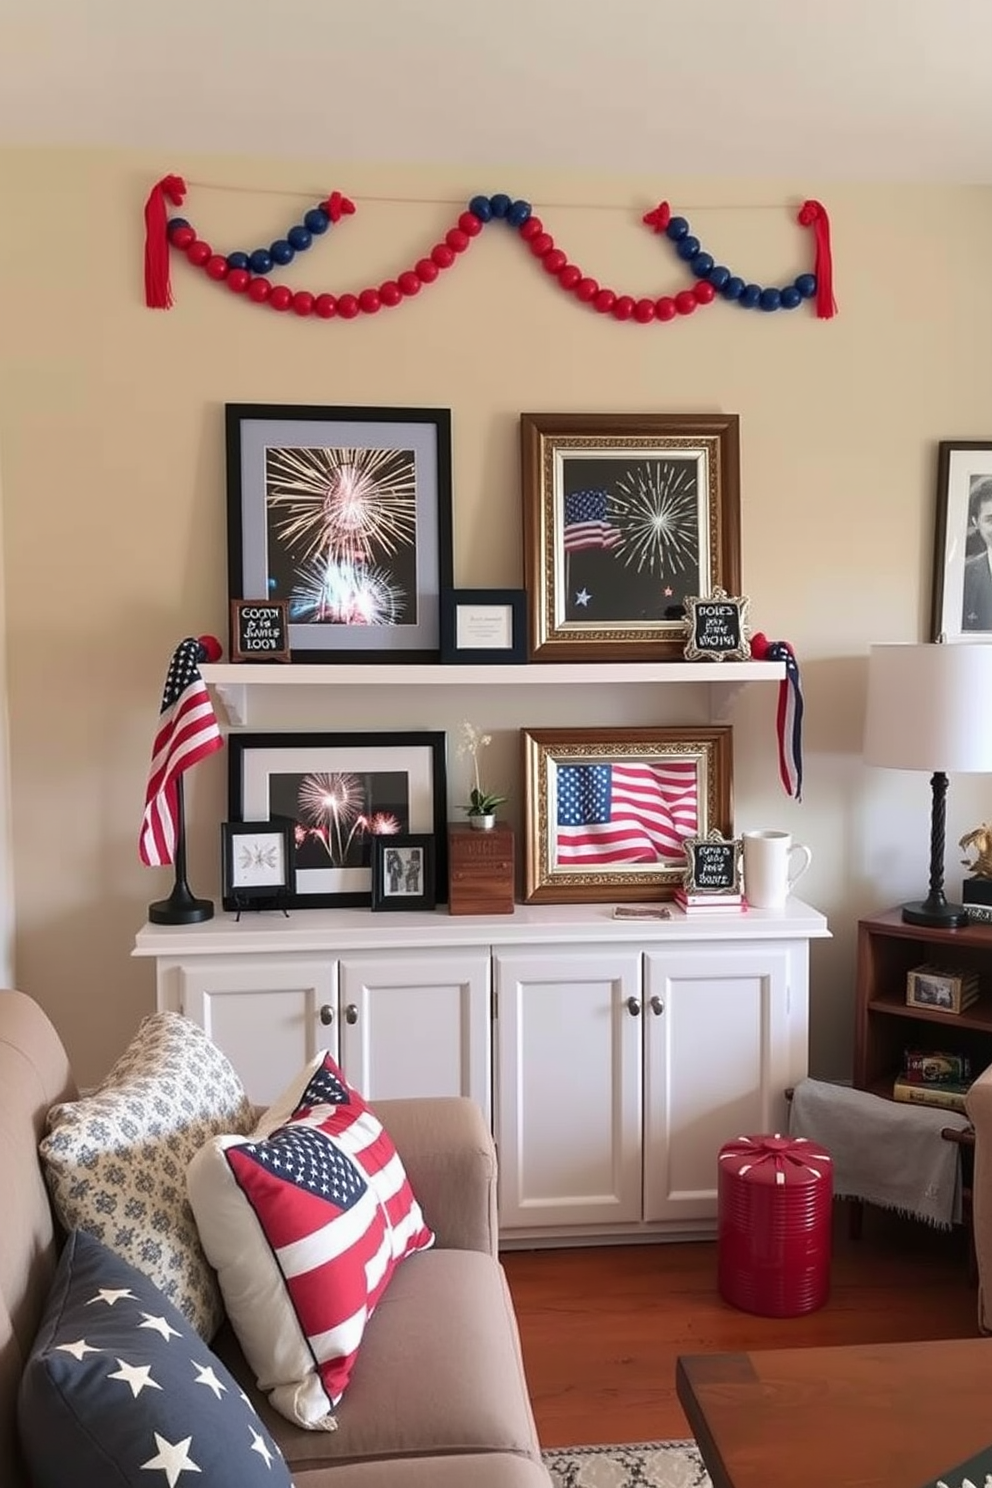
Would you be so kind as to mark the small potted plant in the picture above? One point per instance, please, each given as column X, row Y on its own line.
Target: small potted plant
column 482, row 804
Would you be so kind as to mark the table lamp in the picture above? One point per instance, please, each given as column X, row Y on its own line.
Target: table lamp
column 930, row 708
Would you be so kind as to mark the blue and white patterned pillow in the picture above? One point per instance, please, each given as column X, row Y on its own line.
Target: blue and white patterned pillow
column 118, row 1388
column 116, row 1160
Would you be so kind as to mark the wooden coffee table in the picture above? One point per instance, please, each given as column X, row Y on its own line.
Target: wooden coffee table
column 891, row 1415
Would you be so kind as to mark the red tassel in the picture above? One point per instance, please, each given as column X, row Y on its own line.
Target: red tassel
column 158, row 292
column 814, row 213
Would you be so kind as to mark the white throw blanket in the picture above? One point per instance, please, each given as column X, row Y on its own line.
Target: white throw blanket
column 885, row 1152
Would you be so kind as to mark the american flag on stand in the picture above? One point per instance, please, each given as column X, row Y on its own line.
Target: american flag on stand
column 625, row 812
column 586, row 524
column 187, row 732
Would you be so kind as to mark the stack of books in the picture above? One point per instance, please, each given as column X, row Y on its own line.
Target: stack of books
column 933, row 1078
column 716, row 902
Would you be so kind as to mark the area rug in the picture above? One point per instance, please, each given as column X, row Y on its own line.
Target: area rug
column 671, row 1464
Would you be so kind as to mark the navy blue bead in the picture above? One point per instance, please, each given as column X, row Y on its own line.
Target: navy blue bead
column 718, row 276
column 238, row 261
column 500, row 204
column 260, row 262
column 677, row 228
column 701, row 264
column 316, row 221
column 482, row 208
column 519, row 213
column 175, row 222
column 771, row 299
column 806, row 285
column 282, row 252
column 790, row 297
column 734, row 288
column 687, row 247
column 299, row 238
column 750, row 297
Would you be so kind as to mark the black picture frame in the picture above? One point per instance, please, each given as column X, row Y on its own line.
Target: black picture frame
column 340, row 791
column 403, row 873
column 961, row 602
column 713, row 865
column 484, row 627
column 364, row 583
column 257, row 863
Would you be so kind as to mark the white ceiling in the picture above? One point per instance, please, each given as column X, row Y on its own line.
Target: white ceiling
column 811, row 89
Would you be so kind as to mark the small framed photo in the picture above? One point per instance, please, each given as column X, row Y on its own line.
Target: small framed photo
column 962, row 560
column 484, row 626
column 941, row 989
column 403, row 872
column 256, row 862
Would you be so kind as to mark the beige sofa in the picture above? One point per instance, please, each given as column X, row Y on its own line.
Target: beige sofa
column 438, row 1395
column 978, row 1105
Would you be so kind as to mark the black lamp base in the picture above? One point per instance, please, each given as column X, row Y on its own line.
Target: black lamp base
column 180, row 908
column 938, row 916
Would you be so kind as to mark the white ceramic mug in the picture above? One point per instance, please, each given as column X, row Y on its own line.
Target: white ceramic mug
column 772, row 864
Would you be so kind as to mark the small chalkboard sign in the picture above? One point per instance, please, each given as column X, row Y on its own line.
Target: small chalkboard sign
column 713, row 865
column 717, row 626
column 259, row 630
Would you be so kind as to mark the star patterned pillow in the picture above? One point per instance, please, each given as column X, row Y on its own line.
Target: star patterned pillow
column 119, row 1388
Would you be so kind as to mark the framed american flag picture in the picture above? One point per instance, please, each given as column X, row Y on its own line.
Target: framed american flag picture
column 624, row 516
column 609, row 810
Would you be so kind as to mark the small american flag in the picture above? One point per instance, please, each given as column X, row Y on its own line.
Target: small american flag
column 625, row 812
column 187, row 732
column 586, row 524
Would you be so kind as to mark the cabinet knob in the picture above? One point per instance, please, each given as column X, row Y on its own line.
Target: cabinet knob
column 327, row 1014
column 633, row 1007
column 351, row 1013
column 657, row 1006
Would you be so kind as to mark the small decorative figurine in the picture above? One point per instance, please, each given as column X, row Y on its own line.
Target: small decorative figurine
column 979, row 839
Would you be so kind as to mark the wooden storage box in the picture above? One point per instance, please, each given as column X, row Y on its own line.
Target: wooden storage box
column 480, row 870
column 941, row 989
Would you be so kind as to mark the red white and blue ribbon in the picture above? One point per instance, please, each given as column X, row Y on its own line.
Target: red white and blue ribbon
column 789, row 714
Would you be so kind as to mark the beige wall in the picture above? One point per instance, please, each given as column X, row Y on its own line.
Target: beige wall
column 113, row 486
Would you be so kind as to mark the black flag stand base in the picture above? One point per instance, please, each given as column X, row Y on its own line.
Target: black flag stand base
column 181, row 908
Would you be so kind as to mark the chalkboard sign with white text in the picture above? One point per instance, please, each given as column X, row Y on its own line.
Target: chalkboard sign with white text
column 717, row 626
column 259, row 630
column 712, row 865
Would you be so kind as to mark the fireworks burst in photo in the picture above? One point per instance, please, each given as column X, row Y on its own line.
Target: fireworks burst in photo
column 350, row 505
column 334, row 805
column 655, row 507
column 340, row 593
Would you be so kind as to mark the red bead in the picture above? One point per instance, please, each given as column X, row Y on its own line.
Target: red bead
column 326, row 306
column 531, row 228
column 198, row 252
column 644, row 311
column 369, row 301
column 604, row 301
column 442, row 255
column 685, row 302
column 181, row 237
column 281, row 297
column 303, row 302
column 347, row 306
column 542, row 244
column 470, row 224
column 664, row 308
column 554, row 261
column 426, row 270
column 238, row 280
column 569, row 276
column 390, row 293
column 587, row 289
column 259, row 290
column 216, row 266
column 409, row 282
column 623, row 309
column 704, row 292
column 456, row 240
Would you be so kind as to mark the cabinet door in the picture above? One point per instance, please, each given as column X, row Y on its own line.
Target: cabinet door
column 568, row 1086
column 725, row 1035
column 417, row 1023
column 269, row 1014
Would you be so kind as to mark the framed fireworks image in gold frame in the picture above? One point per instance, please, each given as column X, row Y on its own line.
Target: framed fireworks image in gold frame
column 345, row 514
column 341, row 792
column 625, row 515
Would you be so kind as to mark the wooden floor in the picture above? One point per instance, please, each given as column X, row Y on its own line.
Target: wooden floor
column 601, row 1328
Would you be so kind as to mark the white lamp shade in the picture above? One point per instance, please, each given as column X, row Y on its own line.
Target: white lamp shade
column 930, row 708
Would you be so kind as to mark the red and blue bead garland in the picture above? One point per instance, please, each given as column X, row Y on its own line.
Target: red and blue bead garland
column 246, row 272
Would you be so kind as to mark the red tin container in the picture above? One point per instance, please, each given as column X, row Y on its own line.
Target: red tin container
column 775, row 1196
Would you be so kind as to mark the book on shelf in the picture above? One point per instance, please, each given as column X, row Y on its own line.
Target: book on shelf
column 948, row 1096
column 934, row 1067
column 709, row 903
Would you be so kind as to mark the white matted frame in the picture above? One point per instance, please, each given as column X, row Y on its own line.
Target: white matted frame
column 962, row 574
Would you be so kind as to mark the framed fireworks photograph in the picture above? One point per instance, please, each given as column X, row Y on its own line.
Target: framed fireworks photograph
column 961, row 605
column 345, row 515
column 342, row 792
column 608, row 811
column 625, row 515
column 256, row 863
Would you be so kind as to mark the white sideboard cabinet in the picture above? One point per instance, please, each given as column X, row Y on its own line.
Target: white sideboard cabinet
column 613, row 1057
